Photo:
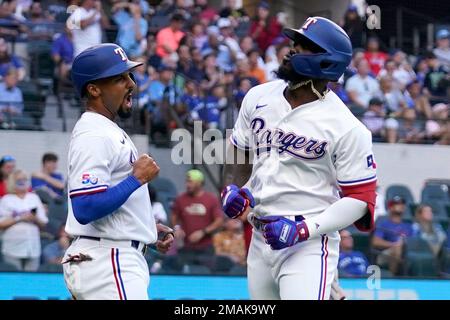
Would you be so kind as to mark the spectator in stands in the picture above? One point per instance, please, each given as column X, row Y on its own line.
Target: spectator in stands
column 132, row 28
column 163, row 95
column 8, row 61
column 199, row 35
column 254, row 70
column 243, row 72
column 392, row 97
column 228, row 38
column 230, row 242
column 339, row 90
column 192, row 101
column 374, row 119
column 86, row 23
column 215, row 46
column 212, row 105
column 53, row 253
column 416, row 99
column 48, row 179
column 435, row 80
column 39, row 23
column 242, row 89
column 196, row 216
column 361, row 87
column 206, row 13
column 354, row 26
column 421, row 70
column 62, row 54
column 264, row 28
column 212, row 73
column 11, row 100
column 442, row 50
column 7, row 166
column 403, row 72
column 168, row 39
column 430, row 231
column 351, row 263
column 157, row 207
column 410, row 130
column 437, row 128
column 233, row 12
column 389, row 236
column 22, row 215
column 271, row 66
column 374, row 56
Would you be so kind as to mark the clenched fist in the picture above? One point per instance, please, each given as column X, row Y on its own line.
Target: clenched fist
column 145, row 169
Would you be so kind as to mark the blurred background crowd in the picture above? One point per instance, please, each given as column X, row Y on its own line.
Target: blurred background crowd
column 199, row 61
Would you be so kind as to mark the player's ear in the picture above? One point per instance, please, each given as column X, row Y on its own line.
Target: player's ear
column 93, row 90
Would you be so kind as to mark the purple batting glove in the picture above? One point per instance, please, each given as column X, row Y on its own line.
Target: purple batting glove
column 281, row 232
column 235, row 201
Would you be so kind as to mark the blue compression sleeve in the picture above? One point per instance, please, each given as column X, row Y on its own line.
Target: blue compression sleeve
column 91, row 207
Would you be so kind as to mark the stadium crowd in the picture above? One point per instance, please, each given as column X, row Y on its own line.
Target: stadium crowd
column 199, row 62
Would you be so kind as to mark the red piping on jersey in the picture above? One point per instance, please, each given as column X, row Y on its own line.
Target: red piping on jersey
column 115, row 274
column 365, row 192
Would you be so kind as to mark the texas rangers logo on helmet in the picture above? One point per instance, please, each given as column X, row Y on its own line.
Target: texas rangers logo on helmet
column 122, row 53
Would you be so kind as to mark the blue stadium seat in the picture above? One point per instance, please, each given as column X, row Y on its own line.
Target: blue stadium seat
column 420, row 260
column 6, row 267
column 435, row 193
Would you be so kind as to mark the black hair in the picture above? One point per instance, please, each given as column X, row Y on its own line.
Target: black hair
column 49, row 156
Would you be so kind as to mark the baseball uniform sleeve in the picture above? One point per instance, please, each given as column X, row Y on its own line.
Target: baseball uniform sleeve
column 242, row 131
column 90, row 163
column 356, row 171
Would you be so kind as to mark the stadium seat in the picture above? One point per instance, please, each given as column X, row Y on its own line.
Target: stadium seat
column 223, row 264
column 238, row 270
column 435, row 193
column 361, row 242
column 6, row 267
column 420, row 260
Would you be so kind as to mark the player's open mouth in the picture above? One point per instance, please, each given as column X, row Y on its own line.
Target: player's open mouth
column 128, row 100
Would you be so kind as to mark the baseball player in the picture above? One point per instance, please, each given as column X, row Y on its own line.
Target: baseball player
column 313, row 170
column 110, row 213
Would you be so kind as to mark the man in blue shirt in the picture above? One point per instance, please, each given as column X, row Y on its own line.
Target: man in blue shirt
column 11, row 100
column 351, row 263
column 62, row 53
column 390, row 234
column 132, row 28
column 47, row 178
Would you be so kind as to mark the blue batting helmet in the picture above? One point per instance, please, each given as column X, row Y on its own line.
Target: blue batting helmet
column 98, row 62
column 335, row 43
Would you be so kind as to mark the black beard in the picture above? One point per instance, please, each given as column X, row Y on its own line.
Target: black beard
column 287, row 73
column 124, row 114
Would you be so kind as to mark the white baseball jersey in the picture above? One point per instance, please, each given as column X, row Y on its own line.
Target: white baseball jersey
column 101, row 156
column 302, row 155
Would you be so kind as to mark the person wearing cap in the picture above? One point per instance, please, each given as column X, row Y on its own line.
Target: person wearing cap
column 435, row 79
column 226, row 31
column 7, row 166
column 168, row 38
column 373, row 118
column 196, row 216
column 354, row 26
column 442, row 50
column 389, row 236
column 109, row 210
column 264, row 28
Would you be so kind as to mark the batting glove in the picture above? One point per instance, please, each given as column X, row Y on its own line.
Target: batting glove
column 235, row 201
column 281, row 232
